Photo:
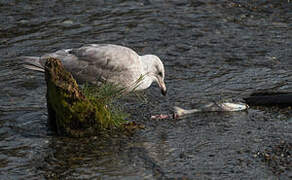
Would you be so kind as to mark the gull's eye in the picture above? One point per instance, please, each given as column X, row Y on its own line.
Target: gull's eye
column 160, row 73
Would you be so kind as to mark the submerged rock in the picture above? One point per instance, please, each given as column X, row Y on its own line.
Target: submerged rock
column 277, row 157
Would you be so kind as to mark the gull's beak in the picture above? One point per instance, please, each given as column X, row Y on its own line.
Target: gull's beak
column 162, row 87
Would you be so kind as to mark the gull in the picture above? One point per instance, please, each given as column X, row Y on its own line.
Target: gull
column 100, row 63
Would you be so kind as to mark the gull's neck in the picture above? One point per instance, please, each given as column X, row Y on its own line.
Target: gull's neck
column 147, row 76
column 148, row 62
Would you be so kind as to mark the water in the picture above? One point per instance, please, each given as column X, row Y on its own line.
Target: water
column 211, row 50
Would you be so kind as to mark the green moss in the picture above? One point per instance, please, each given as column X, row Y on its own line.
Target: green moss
column 103, row 98
column 75, row 114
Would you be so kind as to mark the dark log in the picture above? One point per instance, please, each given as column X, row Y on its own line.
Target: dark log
column 283, row 99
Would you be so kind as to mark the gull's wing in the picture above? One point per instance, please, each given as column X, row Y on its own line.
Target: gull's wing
column 100, row 62
column 107, row 56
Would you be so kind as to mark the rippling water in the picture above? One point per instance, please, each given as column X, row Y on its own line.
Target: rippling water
column 211, row 50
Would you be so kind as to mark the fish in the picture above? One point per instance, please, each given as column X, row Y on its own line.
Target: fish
column 211, row 107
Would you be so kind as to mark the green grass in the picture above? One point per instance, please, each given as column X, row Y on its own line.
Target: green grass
column 104, row 98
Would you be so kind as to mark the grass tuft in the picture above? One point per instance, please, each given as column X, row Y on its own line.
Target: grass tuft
column 104, row 98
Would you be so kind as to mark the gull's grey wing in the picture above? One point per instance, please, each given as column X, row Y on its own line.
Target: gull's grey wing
column 100, row 62
column 69, row 61
column 107, row 56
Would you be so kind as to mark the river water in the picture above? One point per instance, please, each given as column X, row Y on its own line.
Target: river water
column 212, row 50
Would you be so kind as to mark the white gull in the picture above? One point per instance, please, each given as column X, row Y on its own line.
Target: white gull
column 99, row 63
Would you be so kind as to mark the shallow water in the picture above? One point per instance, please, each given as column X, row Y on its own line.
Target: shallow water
column 211, row 50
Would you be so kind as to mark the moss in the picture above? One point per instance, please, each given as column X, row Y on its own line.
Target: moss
column 103, row 98
column 71, row 113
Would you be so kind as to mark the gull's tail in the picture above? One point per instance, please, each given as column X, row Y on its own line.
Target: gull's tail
column 33, row 63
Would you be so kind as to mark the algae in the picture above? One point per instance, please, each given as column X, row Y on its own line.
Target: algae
column 76, row 114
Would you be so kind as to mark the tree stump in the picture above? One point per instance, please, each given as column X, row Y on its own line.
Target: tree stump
column 69, row 112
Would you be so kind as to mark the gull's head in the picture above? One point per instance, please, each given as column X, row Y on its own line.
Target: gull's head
column 155, row 70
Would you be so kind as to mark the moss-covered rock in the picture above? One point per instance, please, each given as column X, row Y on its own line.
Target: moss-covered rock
column 70, row 112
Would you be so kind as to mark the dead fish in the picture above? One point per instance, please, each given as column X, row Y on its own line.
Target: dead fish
column 212, row 107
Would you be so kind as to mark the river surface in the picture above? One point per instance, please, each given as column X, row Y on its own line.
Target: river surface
column 212, row 50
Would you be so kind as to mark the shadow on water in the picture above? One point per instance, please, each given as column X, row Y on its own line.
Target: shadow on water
column 211, row 50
